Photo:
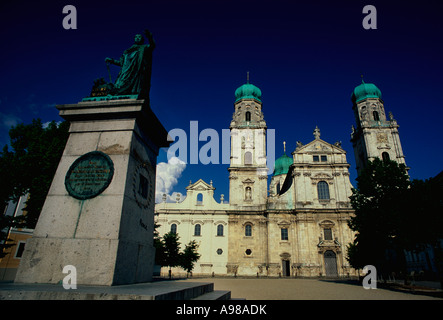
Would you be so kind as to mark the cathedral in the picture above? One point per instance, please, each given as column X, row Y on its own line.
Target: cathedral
column 298, row 224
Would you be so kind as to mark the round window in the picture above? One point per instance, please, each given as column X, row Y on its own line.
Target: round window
column 219, row 251
column 248, row 252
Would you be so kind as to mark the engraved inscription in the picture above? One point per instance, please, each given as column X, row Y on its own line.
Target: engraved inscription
column 89, row 175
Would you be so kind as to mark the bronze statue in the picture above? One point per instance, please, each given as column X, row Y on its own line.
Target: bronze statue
column 134, row 77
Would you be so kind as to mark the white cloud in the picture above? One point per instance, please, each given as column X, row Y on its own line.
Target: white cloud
column 46, row 124
column 9, row 120
column 167, row 177
column 173, row 197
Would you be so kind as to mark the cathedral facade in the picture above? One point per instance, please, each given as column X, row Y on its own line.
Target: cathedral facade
column 298, row 224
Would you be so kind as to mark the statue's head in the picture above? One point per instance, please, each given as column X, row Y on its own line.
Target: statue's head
column 138, row 39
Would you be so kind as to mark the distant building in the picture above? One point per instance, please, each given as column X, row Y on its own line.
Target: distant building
column 18, row 237
column 375, row 136
column 298, row 226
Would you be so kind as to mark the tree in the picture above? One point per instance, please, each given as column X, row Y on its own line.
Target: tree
column 425, row 200
column 168, row 253
column 31, row 165
column 29, row 168
column 424, row 207
column 189, row 256
column 159, row 246
column 171, row 251
column 6, row 172
column 379, row 216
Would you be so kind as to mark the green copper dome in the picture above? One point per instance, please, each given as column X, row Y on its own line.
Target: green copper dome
column 248, row 91
column 282, row 165
column 365, row 90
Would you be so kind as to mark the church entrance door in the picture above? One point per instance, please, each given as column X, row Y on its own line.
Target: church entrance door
column 286, row 268
column 331, row 264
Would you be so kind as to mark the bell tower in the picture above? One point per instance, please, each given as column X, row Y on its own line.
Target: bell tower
column 375, row 136
column 247, row 170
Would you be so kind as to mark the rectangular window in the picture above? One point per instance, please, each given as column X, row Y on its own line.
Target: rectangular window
column 315, row 158
column 20, row 249
column 327, row 233
column 324, row 158
column 284, row 233
column 323, row 190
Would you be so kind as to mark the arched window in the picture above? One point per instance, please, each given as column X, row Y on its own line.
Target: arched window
column 220, row 230
column 323, row 190
column 248, row 230
column 248, row 116
column 385, row 156
column 197, row 230
column 199, row 198
column 278, row 187
column 376, row 117
column 173, row 228
column 248, row 157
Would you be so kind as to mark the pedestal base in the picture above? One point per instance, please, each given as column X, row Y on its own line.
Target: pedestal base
column 108, row 238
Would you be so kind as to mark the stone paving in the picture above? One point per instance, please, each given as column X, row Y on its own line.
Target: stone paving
column 305, row 289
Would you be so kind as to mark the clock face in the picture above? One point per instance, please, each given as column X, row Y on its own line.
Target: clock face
column 382, row 137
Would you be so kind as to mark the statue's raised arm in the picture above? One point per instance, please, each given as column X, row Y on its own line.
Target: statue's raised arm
column 151, row 41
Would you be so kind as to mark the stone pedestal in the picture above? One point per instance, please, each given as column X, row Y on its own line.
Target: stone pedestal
column 107, row 237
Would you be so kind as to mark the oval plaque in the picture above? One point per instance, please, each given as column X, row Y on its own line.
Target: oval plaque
column 89, row 175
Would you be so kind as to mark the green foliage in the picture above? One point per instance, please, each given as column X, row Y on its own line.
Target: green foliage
column 393, row 214
column 171, row 250
column 377, row 202
column 31, row 164
column 423, row 205
column 168, row 252
column 189, row 256
column 6, row 174
column 159, row 246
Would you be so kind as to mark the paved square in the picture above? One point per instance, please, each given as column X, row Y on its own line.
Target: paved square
column 304, row 289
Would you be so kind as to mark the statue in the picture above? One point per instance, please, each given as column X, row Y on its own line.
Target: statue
column 248, row 195
column 337, row 144
column 134, row 78
column 316, row 133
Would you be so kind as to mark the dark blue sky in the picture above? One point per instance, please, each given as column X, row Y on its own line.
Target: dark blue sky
column 305, row 56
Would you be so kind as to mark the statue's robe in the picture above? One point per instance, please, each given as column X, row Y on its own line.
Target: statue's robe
column 135, row 73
